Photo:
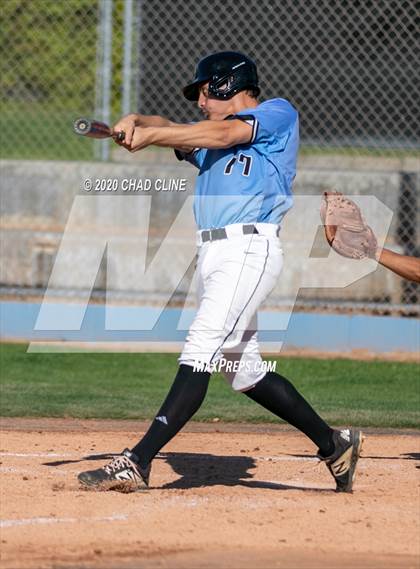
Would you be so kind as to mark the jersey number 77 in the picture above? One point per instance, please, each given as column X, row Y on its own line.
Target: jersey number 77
column 244, row 159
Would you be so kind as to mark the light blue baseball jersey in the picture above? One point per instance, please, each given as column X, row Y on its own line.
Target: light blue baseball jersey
column 249, row 183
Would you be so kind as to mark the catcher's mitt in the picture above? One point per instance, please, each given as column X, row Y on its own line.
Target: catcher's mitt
column 345, row 229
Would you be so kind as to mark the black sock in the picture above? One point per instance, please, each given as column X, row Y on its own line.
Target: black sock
column 183, row 400
column 278, row 395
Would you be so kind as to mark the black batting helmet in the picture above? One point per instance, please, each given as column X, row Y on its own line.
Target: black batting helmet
column 228, row 73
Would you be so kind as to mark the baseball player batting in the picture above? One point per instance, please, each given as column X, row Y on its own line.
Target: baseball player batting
column 246, row 154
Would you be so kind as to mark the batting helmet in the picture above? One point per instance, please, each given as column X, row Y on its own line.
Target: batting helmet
column 228, row 73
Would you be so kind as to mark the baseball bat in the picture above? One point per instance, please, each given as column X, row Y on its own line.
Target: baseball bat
column 95, row 129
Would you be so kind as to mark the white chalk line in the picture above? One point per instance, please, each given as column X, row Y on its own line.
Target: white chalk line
column 36, row 521
column 173, row 501
column 36, row 454
column 69, row 455
column 14, row 470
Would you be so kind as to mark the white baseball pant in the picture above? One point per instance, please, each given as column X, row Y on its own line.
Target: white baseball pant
column 234, row 276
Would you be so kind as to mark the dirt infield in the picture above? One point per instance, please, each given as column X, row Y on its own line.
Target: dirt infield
column 226, row 496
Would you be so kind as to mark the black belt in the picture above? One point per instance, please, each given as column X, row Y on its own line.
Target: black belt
column 220, row 233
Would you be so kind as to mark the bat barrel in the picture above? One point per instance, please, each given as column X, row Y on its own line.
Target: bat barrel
column 95, row 129
column 92, row 128
column 82, row 126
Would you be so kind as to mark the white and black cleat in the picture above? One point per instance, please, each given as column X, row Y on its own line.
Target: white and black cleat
column 342, row 463
column 122, row 474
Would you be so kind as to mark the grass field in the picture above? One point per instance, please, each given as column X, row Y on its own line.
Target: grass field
column 132, row 386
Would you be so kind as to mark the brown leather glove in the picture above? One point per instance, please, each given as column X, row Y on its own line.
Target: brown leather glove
column 345, row 229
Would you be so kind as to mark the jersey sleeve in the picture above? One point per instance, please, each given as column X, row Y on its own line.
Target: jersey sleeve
column 271, row 122
column 196, row 157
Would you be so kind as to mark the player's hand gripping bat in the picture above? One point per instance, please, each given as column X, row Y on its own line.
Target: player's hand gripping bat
column 96, row 129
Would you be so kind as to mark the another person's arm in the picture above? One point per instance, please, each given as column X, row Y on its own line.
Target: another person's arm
column 403, row 265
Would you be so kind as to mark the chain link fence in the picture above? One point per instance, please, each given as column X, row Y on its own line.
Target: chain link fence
column 349, row 67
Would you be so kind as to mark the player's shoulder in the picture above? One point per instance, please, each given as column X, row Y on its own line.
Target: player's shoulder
column 277, row 104
column 272, row 117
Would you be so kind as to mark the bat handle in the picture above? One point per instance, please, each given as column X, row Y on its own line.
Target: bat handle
column 119, row 136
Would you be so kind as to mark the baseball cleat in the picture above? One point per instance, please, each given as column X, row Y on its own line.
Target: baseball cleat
column 121, row 474
column 342, row 463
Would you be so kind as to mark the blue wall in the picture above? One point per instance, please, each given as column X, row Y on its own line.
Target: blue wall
column 317, row 331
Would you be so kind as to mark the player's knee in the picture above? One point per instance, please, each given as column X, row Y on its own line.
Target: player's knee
column 233, row 341
column 243, row 379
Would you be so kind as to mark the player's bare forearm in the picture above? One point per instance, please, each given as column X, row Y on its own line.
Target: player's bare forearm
column 152, row 120
column 204, row 134
column 128, row 123
column 403, row 265
column 158, row 121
